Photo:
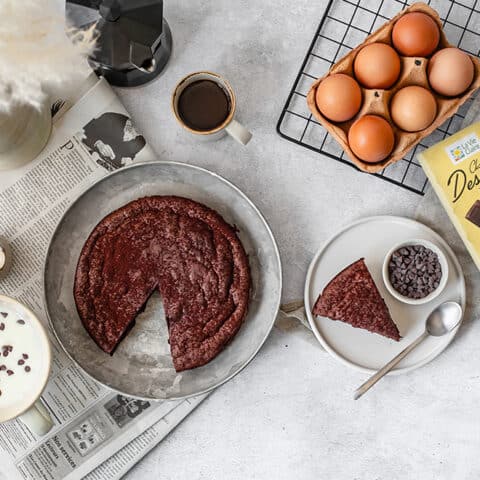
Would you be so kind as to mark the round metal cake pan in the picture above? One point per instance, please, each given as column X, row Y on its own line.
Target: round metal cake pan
column 141, row 366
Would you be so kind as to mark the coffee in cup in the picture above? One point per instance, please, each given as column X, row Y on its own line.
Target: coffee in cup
column 25, row 362
column 204, row 104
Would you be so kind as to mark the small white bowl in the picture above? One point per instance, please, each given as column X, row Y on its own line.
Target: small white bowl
column 443, row 264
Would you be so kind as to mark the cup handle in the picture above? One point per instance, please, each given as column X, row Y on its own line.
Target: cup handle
column 37, row 419
column 238, row 132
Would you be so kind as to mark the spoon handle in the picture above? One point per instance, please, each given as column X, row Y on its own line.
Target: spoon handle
column 384, row 370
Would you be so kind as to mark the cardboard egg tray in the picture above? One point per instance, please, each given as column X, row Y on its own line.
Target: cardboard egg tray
column 376, row 101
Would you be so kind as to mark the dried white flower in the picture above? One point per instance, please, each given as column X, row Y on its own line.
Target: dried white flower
column 39, row 54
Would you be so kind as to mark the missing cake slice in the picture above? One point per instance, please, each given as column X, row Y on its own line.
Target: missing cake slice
column 352, row 297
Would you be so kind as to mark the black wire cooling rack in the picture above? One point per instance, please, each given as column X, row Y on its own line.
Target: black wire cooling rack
column 344, row 25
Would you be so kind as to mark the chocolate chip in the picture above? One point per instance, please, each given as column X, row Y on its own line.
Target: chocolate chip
column 21, row 322
column 0, row 393
column 3, row 367
column 4, row 314
column 5, row 353
column 10, row 372
column 27, row 368
column 414, row 271
column 21, row 362
column 25, row 356
column 2, row 326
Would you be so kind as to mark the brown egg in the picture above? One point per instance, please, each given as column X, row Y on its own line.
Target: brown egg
column 339, row 97
column 415, row 34
column 371, row 138
column 413, row 108
column 377, row 66
column 450, row 72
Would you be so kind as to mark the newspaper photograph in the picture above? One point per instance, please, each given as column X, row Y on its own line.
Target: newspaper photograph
column 91, row 137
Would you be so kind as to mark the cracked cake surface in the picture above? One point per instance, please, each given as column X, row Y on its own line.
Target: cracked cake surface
column 179, row 247
column 352, row 297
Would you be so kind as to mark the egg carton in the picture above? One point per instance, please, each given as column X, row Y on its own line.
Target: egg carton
column 376, row 101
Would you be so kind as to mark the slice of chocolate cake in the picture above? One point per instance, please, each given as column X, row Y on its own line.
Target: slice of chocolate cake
column 352, row 297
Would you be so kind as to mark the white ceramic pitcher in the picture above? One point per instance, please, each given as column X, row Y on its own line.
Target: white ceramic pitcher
column 24, row 132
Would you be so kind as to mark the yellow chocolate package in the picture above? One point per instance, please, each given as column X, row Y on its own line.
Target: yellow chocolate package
column 453, row 168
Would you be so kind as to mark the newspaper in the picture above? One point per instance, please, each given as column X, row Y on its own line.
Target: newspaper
column 98, row 434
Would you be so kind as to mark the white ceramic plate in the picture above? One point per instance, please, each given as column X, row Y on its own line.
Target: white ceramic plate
column 372, row 238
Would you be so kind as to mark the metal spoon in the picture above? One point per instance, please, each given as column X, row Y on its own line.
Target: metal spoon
column 441, row 321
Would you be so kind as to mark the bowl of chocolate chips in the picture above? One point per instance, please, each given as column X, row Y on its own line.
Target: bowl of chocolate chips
column 415, row 271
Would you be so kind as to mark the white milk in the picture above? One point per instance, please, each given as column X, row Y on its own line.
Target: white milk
column 24, row 350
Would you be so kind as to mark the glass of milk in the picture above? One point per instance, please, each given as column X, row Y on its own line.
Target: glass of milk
column 25, row 362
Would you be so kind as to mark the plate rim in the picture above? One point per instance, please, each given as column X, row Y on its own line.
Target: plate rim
column 308, row 280
column 203, row 170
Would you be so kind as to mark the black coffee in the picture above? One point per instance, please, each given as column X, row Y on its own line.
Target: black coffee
column 203, row 105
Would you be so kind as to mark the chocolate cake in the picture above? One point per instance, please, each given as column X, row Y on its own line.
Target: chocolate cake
column 179, row 247
column 352, row 297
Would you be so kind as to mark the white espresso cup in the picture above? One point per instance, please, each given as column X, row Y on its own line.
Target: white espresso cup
column 25, row 363
column 229, row 125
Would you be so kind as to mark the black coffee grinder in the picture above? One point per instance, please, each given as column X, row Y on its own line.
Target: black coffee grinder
column 134, row 40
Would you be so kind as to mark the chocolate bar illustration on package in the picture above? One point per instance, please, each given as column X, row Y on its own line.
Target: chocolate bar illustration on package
column 474, row 213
